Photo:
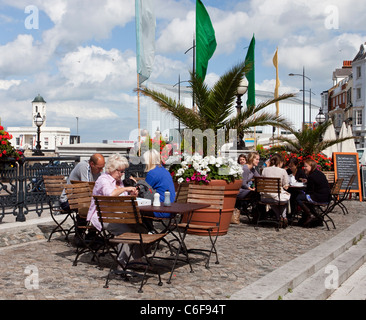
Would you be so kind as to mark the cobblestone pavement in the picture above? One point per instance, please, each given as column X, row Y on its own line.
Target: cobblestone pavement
column 246, row 254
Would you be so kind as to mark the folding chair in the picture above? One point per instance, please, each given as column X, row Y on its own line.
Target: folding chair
column 341, row 197
column 330, row 175
column 54, row 186
column 182, row 193
column 322, row 210
column 269, row 185
column 79, row 196
column 213, row 195
column 124, row 209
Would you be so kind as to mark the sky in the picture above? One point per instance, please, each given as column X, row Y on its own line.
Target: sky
column 80, row 55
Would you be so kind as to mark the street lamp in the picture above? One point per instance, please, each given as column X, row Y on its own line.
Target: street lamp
column 38, row 121
column 320, row 117
column 303, row 92
column 242, row 89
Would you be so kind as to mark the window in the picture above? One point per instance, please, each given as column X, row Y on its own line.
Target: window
column 358, row 72
column 358, row 95
column 358, row 117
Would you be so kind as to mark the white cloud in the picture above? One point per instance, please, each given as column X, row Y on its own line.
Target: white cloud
column 6, row 84
column 22, row 56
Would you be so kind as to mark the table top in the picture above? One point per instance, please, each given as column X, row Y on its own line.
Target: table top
column 175, row 207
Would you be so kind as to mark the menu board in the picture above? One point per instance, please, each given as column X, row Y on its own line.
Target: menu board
column 363, row 176
column 346, row 165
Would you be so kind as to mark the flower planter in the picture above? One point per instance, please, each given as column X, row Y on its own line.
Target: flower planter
column 206, row 216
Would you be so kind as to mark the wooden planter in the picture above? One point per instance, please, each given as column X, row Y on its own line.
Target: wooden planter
column 209, row 215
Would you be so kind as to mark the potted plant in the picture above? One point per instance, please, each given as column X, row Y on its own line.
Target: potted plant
column 7, row 152
column 215, row 111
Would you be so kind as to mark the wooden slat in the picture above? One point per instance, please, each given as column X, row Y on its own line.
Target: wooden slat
column 118, row 209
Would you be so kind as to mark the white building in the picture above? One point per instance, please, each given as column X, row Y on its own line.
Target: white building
column 291, row 108
column 359, row 96
column 50, row 137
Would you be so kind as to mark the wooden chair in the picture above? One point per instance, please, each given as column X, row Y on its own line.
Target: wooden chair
column 322, row 210
column 330, row 175
column 79, row 196
column 213, row 195
column 181, row 195
column 54, row 186
column 345, row 195
column 124, row 209
column 268, row 185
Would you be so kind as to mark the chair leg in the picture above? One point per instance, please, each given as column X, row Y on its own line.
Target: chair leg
column 213, row 249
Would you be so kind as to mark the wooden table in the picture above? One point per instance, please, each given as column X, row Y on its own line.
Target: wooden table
column 176, row 209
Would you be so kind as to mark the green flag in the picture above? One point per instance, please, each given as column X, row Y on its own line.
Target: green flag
column 205, row 40
column 250, row 59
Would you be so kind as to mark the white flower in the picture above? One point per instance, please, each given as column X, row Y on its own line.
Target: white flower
column 180, row 180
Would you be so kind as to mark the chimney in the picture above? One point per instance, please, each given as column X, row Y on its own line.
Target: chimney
column 347, row 64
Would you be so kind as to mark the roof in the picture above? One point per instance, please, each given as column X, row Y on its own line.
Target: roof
column 38, row 99
column 361, row 54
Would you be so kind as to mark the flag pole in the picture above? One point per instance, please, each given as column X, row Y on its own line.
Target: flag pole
column 138, row 115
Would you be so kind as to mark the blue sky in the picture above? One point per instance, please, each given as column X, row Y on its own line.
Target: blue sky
column 82, row 58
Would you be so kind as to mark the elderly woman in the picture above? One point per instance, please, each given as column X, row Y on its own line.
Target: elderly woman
column 110, row 184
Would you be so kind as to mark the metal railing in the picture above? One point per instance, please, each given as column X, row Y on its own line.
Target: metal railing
column 21, row 183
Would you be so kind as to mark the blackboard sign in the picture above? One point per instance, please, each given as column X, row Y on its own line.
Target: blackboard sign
column 363, row 176
column 346, row 165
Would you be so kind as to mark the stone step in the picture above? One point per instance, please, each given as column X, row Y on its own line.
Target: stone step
column 324, row 282
column 277, row 284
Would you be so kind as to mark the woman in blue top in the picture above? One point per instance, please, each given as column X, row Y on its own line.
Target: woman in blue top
column 158, row 178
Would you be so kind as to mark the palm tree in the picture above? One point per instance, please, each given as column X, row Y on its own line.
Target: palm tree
column 307, row 141
column 215, row 105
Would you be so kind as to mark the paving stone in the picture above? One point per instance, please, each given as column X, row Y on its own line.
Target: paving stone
column 245, row 254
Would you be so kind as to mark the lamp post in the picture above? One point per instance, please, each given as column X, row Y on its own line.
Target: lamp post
column 311, row 92
column 38, row 121
column 303, row 92
column 320, row 119
column 241, row 90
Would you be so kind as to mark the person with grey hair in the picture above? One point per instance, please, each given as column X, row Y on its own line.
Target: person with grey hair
column 110, row 183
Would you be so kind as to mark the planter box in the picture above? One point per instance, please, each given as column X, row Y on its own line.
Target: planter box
column 209, row 215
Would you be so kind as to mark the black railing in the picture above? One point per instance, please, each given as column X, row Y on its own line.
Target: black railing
column 21, row 183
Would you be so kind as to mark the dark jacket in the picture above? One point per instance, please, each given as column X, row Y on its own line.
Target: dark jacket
column 318, row 187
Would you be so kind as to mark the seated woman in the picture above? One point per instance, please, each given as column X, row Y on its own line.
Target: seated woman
column 110, row 184
column 159, row 179
column 247, row 190
column 275, row 170
column 296, row 174
column 317, row 190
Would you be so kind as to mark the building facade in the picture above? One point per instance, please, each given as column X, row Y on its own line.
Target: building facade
column 345, row 101
column 25, row 138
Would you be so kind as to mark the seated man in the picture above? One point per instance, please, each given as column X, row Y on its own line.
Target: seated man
column 88, row 171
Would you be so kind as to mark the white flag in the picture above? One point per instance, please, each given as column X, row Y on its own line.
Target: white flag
column 145, row 38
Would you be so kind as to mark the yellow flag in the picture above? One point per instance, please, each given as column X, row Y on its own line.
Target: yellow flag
column 275, row 63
